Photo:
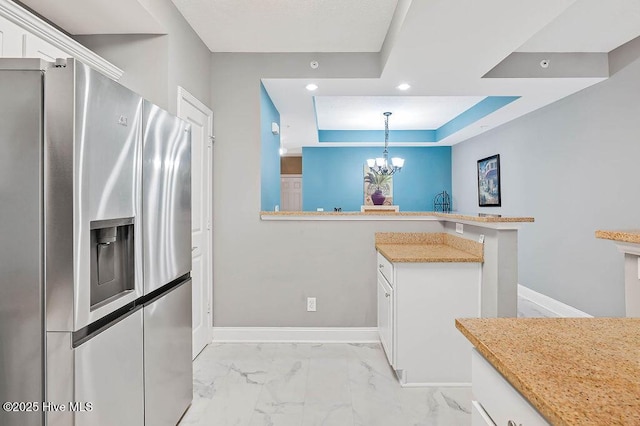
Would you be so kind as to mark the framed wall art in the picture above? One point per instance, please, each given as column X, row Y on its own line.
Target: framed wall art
column 489, row 181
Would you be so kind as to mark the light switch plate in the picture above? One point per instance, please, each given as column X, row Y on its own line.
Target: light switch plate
column 481, row 239
column 459, row 228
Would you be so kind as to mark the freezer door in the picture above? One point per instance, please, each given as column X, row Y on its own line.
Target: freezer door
column 168, row 371
column 21, row 251
column 109, row 375
column 166, row 193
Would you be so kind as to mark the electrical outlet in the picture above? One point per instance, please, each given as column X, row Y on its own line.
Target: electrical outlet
column 311, row 304
column 459, row 228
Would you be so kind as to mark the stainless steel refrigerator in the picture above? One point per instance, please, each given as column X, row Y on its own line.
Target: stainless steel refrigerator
column 95, row 294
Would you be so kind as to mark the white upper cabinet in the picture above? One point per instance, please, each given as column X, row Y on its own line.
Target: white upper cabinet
column 11, row 41
column 34, row 47
column 16, row 42
column 23, row 35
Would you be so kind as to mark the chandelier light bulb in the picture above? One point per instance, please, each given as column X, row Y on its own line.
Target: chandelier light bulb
column 397, row 162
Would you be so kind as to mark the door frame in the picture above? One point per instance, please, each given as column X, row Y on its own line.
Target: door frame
column 185, row 96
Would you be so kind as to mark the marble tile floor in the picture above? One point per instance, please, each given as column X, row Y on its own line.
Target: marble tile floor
column 340, row 384
column 529, row 309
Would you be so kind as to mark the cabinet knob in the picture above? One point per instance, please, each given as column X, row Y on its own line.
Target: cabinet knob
column 387, row 295
column 512, row 423
column 380, row 266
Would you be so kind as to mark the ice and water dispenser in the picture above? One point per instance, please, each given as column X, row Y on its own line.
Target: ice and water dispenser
column 112, row 260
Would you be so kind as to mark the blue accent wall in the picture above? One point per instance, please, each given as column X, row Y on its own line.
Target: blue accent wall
column 333, row 177
column 470, row 116
column 473, row 114
column 270, row 153
column 377, row 135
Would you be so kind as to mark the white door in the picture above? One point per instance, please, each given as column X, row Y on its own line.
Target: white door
column 291, row 193
column 201, row 119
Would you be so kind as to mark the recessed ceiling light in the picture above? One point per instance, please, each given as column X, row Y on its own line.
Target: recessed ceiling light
column 404, row 86
column 311, row 87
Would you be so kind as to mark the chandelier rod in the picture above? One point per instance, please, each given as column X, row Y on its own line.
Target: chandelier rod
column 386, row 135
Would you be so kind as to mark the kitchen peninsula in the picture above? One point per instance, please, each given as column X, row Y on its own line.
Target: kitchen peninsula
column 425, row 282
column 498, row 233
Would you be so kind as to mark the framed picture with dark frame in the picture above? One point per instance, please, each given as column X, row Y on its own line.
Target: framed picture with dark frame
column 489, row 182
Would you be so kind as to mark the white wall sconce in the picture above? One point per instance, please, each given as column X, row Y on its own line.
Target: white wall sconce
column 275, row 129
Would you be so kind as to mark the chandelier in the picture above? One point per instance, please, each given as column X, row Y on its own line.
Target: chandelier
column 380, row 165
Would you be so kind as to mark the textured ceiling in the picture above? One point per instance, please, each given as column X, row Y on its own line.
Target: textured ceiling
column 289, row 25
column 81, row 17
column 409, row 112
column 589, row 26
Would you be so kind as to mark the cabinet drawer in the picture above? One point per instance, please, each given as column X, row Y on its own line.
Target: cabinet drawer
column 499, row 399
column 386, row 268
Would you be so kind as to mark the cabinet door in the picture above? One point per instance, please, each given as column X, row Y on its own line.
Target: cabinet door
column 501, row 401
column 35, row 47
column 385, row 317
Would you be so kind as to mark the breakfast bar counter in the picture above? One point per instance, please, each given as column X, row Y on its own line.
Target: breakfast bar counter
column 480, row 219
column 574, row 371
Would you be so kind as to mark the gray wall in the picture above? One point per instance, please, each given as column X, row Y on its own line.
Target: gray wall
column 263, row 271
column 136, row 54
column 573, row 165
column 155, row 65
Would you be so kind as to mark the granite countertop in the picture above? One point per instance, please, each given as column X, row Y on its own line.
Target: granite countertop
column 628, row 236
column 574, row 371
column 486, row 218
column 427, row 247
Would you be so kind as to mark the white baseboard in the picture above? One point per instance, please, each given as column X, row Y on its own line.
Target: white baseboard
column 296, row 334
column 556, row 307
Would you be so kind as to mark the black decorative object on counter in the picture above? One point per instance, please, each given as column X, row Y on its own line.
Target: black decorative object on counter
column 442, row 202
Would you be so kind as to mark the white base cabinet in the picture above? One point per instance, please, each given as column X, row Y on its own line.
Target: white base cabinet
column 495, row 401
column 417, row 307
